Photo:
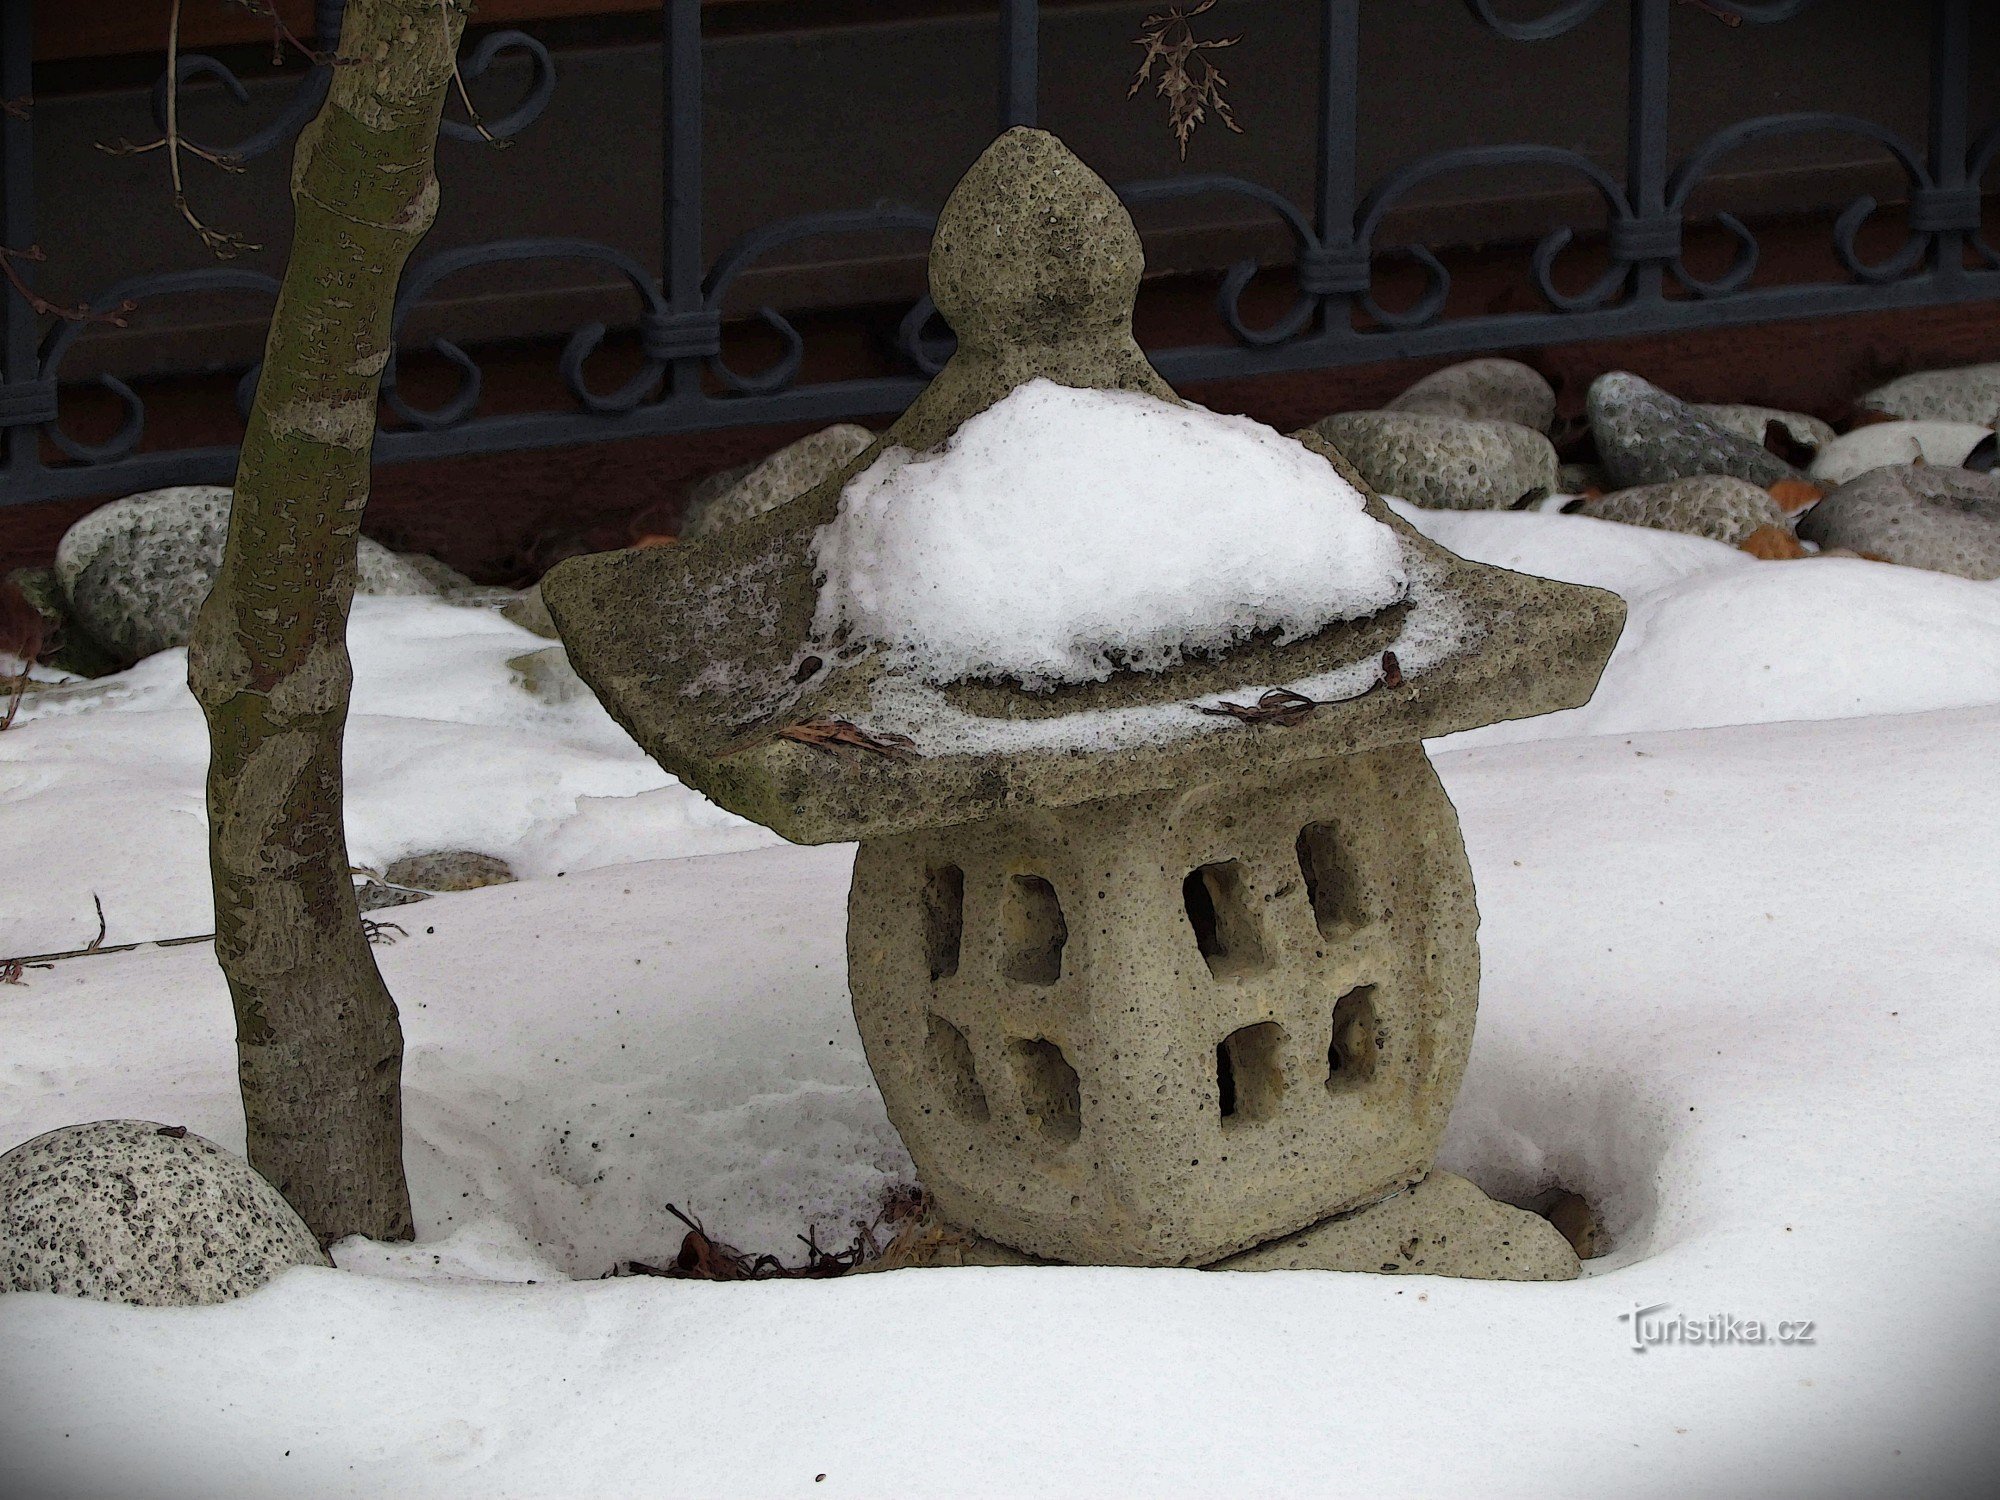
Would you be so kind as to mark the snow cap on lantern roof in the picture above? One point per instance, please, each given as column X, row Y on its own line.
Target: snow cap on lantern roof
column 708, row 653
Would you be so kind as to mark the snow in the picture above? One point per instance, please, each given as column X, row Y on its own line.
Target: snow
column 1738, row 982
column 1716, row 637
column 446, row 749
column 1062, row 534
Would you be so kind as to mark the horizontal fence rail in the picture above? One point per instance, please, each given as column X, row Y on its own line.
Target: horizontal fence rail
column 684, row 384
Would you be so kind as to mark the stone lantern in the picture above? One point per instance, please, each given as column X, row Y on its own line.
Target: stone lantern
column 1197, row 984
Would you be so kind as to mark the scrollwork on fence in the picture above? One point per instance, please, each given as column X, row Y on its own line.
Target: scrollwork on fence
column 1333, row 315
column 138, row 290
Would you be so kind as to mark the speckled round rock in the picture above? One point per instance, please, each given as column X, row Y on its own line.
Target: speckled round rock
column 1711, row 505
column 1445, row 463
column 134, row 1211
column 735, row 495
column 1969, row 393
column 1646, row 436
column 135, row 571
column 451, row 869
column 1947, row 520
column 1489, row 390
column 1752, row 421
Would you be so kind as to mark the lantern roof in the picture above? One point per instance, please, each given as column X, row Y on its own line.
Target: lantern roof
column 719, row 659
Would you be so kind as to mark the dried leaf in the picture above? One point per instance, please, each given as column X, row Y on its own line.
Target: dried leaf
column 1188, row 81
column 842, row 738
column 1392, row 670
column 1795, row 494
column 1772, row 543
column 1279, row 706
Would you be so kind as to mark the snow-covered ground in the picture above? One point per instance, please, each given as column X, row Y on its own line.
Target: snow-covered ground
column 1741, row 963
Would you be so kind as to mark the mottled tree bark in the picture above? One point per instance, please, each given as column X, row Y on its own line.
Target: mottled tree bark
column 319, row 1047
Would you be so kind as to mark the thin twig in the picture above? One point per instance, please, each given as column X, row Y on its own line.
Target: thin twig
column 221, row 243
column 97, row 942
column 43, row 960
column 459, row 79
column 81, row 313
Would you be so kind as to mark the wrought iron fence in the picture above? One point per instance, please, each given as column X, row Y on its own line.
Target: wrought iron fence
column 1334, row 318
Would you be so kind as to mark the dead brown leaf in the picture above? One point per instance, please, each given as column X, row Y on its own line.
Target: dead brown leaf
column 840, row 737
column 1279, row 706
column 1772, row 543
column 1392, row 670
column 1189, row 82
column 1795, row 494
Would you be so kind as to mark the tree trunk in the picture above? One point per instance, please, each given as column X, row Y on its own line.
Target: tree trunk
column 319, row 1047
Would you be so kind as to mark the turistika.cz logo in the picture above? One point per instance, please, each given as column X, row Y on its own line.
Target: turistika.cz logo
column 1654, row 1326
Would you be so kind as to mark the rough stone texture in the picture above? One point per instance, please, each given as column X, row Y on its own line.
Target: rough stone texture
column 1883, row 445
column 448, row 583
column 1752, row 421
column 705, row 650
column 122, row 1211
column 1492, row 390
column 449, row 870
column 1446, row 463
column 1442, row 1226
column 1154, row 999
column 547, row 675
column 527, row 610
column 1947, row 520
column 1711, row 505
column 1645, row 436
column 735, row 495
column 1043, row 998
column 135, row 571
column 1969, row 393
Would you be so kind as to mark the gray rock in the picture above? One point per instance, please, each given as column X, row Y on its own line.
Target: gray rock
column 449, row 870
column 735, row 495
column 1883, row 445
column 1491, row 390
column 1711, row 505
column 546, row 674
column 451, row 585
column 1645, row 436
column 133, row 1211
column 1947, row 520
column 135, row 571
column 1751, row 422
column 527, row 611
column 1969, row 393
column 1445, row 463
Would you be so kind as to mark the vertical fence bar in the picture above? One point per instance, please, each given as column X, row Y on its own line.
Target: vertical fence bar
column 20, row 392
column 1020, row 62
column 1951, row 48
column 1646, row 120
column 1339, row 129
column 680, row 242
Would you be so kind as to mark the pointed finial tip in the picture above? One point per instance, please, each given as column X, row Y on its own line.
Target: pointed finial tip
column 1033, row 244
